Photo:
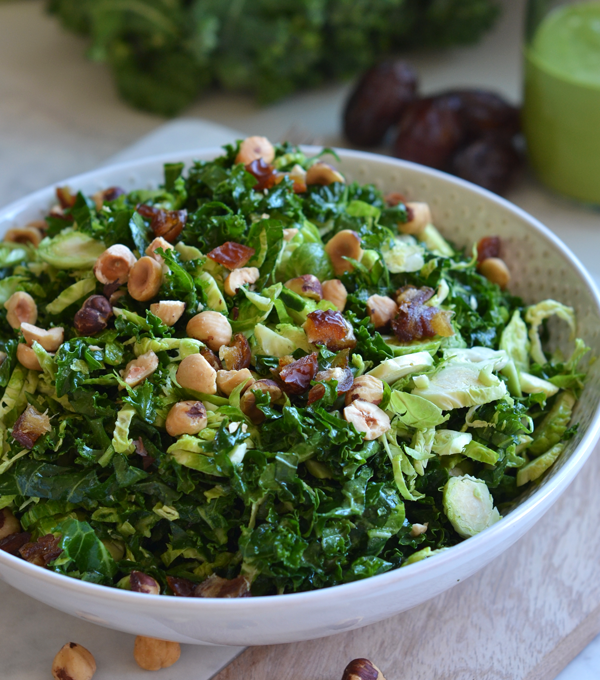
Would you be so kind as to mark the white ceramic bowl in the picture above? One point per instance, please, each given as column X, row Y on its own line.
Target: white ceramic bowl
column 542, row 267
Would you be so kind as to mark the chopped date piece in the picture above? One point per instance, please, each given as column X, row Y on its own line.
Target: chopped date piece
column 13, row 543
column 325, row 327
column 378, row 101
column 45, row 550
column 65, row 197
column 343, row 377
column 417, row 322
column 237, row 354
column 30, row 426
column 181, row 587
column 264, row 173
column 488, row 246
column 297, row 376
column 166, row 223
column 211, row 358
column 215, row 586
column 414, row 295
column 232, row 255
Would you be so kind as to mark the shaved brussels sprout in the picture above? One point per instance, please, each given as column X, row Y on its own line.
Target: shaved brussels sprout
column 536, row 314
column 469, row 505
column 70, row 249
column 554, row 425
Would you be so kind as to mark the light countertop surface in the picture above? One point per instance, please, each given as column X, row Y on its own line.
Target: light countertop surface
column 59, row 116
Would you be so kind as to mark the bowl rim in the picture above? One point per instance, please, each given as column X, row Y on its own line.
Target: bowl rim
column 545, row 495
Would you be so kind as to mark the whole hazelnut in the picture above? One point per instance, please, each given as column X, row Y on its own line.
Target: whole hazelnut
column 73, row 662
column 362, row 669
column 152, row 654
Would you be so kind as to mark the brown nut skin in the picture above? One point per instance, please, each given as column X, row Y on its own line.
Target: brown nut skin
column 143, row 583
column 378, row 101
column 248, row 400
column 27, row 358
column 365, row 387
column 227, row 381
column 240, row 277
column 335, row 292
column 212, row 328
column 168, row 311
column 381, row 309
column 50, row 340
column 362, row 669
column 20, row 308
column 139, row 369
column 145, row 279
column 495, row 270
column 345, row 243
column 195, row 373
column 9, row 524
column 323, row 174
column 186, row 417
column 24, row 235
column 93, row 316
column 114, row 265
column 73, row 662
column 419, row 216
column 253, row 148
column 152, row 654
column 307, row 286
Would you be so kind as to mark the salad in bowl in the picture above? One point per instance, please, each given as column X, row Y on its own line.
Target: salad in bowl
column 261, row 379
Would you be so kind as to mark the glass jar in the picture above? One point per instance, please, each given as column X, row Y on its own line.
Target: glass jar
column 561, row 110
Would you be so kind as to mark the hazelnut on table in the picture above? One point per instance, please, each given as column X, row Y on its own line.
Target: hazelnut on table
column 73, row 662
column 152, row 654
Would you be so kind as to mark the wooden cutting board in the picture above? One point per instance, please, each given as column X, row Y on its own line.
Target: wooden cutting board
column 523, row 617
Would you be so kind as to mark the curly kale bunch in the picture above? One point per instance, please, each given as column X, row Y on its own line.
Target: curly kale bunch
column 163, row 52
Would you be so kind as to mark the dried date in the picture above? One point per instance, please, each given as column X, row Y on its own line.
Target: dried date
column 378, row 101
column 430, row 131
column 488, row 246
column 489, row 162
column 231, row 255
column 237, row 355
column 297, row 375
column 265, row 174
column 166, row 223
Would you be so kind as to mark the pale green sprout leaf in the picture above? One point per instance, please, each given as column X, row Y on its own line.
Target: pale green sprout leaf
column 70, row 249
column 121, row 441
column 70, row 295
column 515, row 342
column 531, row 384
column 271, row 343
column 391, row 370
column 462, row 384
column 536, row 468
column 404, row 256
column 450, row 442
column 435, row 242
column 415, row 411
column 469, row 505
column 536, row 314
